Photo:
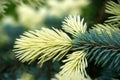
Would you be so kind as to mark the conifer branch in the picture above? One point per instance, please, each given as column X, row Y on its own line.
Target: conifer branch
column 114, row 9
column 74, row 67
column 102, row 45
column 42, row 44
column 74, row 25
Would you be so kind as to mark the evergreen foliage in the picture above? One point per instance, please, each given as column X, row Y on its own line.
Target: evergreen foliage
column 113, row 8
column 4, row 4
column 43, row 45
column 100, row 44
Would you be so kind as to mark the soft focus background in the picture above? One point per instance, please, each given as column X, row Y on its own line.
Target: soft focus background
column 18, row 16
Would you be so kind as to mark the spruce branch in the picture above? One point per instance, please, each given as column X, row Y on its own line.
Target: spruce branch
column 114, row 9
column 103, row 46
column 74, row 67
column 46, row 43
column 74, row 25
column 42, row 44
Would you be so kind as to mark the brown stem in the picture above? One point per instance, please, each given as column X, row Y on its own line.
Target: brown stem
column 101, row 14
column 105, row 46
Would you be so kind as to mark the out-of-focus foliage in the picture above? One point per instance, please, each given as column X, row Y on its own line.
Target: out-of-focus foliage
column 3, row 6
column 4, row 37
column 54, row 8
column 4, row 3
column 26, row 76
column 33, row 3
column 33, row 19
column 94, row 12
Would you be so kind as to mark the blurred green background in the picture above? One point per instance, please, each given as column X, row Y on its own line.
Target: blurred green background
column 17, row 17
